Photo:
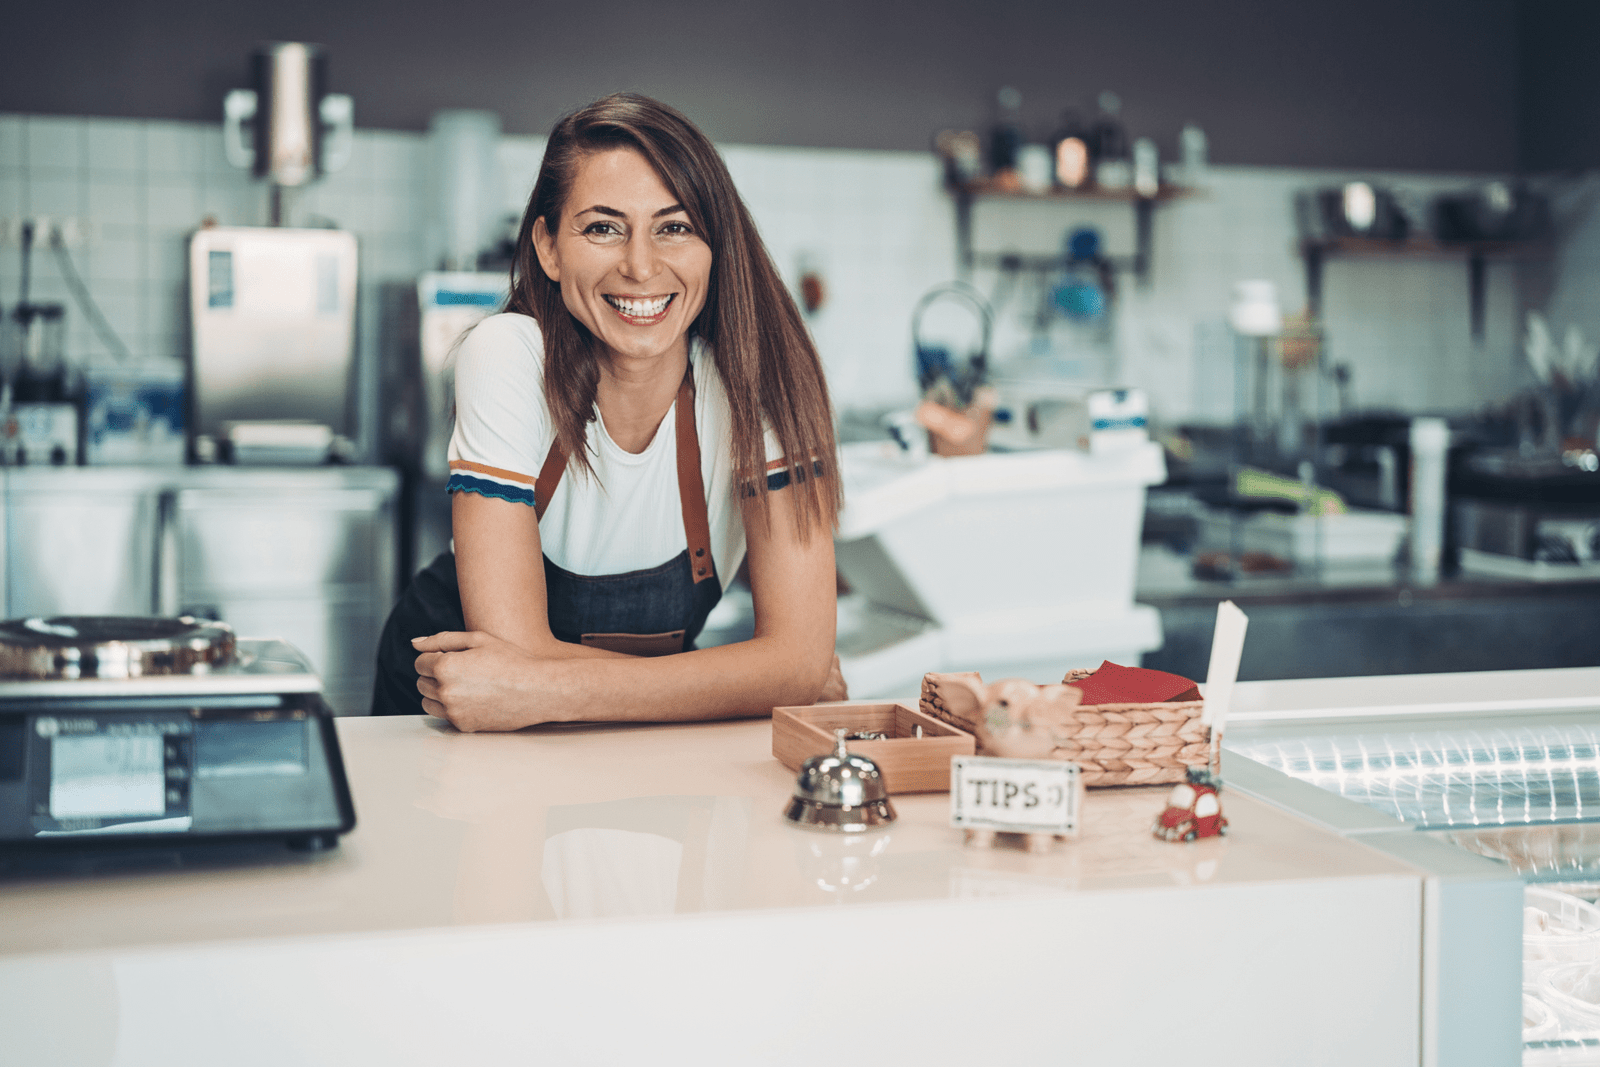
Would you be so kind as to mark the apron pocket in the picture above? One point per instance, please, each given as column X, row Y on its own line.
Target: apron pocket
column 638, row 644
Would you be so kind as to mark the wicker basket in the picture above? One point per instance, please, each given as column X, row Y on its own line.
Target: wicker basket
column 1113, row 744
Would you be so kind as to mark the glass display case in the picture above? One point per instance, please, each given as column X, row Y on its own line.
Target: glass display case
column 1491, row 782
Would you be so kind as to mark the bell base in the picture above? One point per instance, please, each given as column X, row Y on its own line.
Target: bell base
column 832, row 818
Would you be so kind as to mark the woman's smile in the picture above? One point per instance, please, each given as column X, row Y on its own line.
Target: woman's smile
column 640, row 310
column 631, row 264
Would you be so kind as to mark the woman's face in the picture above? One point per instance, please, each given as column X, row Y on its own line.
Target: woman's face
column 630, row 265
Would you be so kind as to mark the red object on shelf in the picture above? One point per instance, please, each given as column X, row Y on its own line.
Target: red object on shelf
column 1112, row 683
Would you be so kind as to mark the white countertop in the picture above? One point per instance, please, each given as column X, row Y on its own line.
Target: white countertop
column 455, row 829
column 515, row 897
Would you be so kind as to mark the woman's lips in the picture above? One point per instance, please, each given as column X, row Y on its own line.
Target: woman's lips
column 641, row 311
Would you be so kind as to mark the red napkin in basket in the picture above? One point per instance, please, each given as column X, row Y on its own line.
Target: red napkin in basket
column 1115, row 684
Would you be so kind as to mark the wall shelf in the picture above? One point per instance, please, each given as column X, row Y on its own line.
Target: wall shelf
column 1316, row 252
column 1143, row 206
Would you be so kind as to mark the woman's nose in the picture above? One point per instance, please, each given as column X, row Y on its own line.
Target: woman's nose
column 639, row 258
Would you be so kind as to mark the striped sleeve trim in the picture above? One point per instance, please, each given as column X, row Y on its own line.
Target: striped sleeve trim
column 493, row 472
column 779, row 475
column 466, row 483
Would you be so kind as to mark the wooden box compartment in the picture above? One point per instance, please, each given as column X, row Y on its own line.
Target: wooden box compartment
column 910, row 764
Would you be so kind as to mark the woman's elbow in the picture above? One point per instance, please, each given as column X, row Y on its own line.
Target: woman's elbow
column 813, row 678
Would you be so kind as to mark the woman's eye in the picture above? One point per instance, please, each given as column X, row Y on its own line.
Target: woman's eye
column 603, row 231
column 676, row 229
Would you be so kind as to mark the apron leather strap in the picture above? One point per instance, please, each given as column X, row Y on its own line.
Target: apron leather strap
column 544, row 486
column 691, row 491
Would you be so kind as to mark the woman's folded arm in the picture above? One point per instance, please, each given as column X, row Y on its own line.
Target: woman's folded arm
column 510, row 672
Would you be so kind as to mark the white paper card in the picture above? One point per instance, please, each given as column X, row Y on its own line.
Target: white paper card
column 1024, row 796
column 1227, row 645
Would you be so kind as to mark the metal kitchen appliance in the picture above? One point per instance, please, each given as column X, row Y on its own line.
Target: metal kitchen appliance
column 1529, row 517
column 40, row 417
column 273, row 309
column 273, row 314
column 161, row 732
column 418, row 404
column 451, row 303
column 298, row 131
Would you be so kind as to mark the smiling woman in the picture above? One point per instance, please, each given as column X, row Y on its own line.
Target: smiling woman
column 634, row 275
column 650, row 344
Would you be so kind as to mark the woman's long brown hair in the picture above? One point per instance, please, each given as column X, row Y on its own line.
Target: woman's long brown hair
column 749, row 323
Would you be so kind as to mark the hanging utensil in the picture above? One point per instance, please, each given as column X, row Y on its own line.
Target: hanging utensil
column 937, row 364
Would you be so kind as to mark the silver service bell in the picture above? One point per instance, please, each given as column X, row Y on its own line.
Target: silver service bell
column 840, row 792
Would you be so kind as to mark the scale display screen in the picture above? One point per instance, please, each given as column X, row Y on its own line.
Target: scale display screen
column 241, row 767
column 106, row 775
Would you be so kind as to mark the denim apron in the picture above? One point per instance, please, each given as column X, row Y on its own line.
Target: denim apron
column 650, row 612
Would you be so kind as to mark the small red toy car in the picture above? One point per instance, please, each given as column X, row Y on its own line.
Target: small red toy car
column 1193, row 809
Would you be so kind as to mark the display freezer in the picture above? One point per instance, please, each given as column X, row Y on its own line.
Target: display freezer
column 1488, row 781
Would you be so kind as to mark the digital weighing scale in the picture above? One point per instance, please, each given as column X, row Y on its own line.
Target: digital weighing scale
column 162, row 732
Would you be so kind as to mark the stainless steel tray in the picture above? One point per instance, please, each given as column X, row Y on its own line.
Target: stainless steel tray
column 111, row 646
column 258, row 666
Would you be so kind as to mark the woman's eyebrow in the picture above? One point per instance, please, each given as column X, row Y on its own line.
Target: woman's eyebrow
column 671, row 209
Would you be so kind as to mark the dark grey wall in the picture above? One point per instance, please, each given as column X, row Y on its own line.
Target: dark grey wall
column 1559, row 105
column 1423, row 84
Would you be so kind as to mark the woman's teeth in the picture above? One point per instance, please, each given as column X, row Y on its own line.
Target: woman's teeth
column 640, row 309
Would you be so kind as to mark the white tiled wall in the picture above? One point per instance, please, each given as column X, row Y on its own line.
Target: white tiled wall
column 882, row 230
column 1402, row 325
column 876, row 224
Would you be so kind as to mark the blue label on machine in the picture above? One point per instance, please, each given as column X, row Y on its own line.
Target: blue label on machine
column 219, row 279
column 458, row 297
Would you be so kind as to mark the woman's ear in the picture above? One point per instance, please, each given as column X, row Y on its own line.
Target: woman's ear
column 544, row 246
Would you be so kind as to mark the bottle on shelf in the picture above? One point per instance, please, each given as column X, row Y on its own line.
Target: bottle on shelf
column 1193, row 154
column 962, row 154
column 1108, row 145
column 1005, row 140
column 1070, row 146
column 1146, row 168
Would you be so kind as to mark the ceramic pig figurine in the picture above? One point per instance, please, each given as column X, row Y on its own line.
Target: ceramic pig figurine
column 1014, row 719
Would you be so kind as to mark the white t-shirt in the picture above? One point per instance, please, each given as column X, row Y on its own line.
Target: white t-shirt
column 627, row 516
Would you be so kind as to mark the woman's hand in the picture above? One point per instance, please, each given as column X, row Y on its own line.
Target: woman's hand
column 475, row 681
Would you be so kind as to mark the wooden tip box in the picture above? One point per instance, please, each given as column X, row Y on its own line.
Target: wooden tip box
column 910, row 764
